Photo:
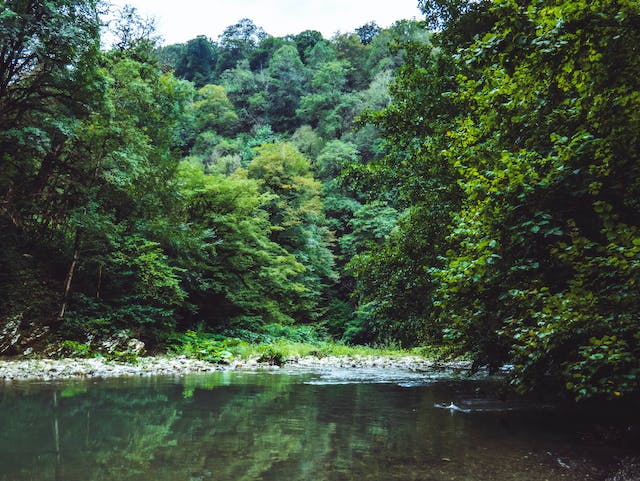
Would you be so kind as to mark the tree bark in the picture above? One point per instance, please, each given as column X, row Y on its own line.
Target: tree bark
column 69, row 278
column 99, row 281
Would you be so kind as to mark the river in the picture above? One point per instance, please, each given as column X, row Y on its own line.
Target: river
column 333, row 425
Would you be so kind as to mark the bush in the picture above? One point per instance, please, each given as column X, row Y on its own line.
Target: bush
column 270, row 333
column 271, row 355
column 202, row 346
column 77, row 349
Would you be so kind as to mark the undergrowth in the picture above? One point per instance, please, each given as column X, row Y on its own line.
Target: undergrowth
column 275, row 344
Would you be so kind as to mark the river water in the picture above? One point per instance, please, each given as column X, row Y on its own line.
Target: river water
column 335, row 425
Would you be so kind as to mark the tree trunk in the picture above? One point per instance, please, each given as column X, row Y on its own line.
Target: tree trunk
column 99, row 281
column 69, row 278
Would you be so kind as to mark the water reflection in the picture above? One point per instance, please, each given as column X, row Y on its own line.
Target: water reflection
column 277, row 427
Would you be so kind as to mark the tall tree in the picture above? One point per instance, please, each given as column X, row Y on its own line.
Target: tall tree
column 213, row 111
column 133, row 32
column 237, row 43
column 306, row 41
column 288, row 78
column 521, row 179
column 296, row 211
column 368, row 32
column 546, row 244
column 236, row 274
column 327, row 106
column 49, row 82
column 48, row 79
column 122, row 163
column 197, row 61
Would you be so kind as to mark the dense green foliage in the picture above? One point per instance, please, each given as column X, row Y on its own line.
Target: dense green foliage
column 474, row 186
column 517, row 141
column 159, row 189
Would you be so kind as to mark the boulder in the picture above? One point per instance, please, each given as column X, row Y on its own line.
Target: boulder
column 10, row 336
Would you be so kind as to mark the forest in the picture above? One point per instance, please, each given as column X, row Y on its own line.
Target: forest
column 468, row 181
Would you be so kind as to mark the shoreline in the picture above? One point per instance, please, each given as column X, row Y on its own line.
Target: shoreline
column 51, row 370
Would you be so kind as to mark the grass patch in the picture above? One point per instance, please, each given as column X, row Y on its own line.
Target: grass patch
column 277, row 344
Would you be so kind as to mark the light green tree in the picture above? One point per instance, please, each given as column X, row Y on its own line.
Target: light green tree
column 296, row 212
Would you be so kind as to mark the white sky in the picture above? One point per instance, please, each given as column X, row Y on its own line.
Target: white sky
column 182, row 20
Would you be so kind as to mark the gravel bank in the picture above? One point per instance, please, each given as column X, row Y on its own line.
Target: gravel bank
column 60, row 369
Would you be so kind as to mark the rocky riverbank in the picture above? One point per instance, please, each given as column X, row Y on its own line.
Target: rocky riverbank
column 72, row 368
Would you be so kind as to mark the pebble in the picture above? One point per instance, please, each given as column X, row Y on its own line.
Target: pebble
column 60, row 369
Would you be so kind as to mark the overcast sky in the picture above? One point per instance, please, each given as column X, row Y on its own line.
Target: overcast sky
column 182, row 20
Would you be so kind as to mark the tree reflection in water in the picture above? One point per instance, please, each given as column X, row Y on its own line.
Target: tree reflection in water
column 272, row 427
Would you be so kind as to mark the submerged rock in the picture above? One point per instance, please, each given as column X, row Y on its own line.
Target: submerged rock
column 628, row 470
column 452, row 407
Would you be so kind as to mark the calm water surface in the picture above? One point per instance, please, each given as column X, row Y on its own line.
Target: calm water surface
column 337, row 425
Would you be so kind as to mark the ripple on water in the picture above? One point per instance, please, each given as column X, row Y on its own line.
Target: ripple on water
column 405, row 378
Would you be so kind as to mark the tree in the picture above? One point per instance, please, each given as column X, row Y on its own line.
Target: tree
column 307, row 141
column 237, row 275
column 296, row 212
column 48, row 78
column 287, row 82
column 247, row 92
column 213, row 111
column 340, row 202
column 393, row 281
column 388, row 48
column 306, row 41
column 326, row 106
column 322, row 52
column 260, row 57
column 122, row 164
column 97, row 177
column 237, row 43
column 170, row 55
column 133, row 32
column 49, row 82
column 545, row 243
column 445, row 13
column 516, row 162
column 197, row 62
column 349, row 48
column 368, row 32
